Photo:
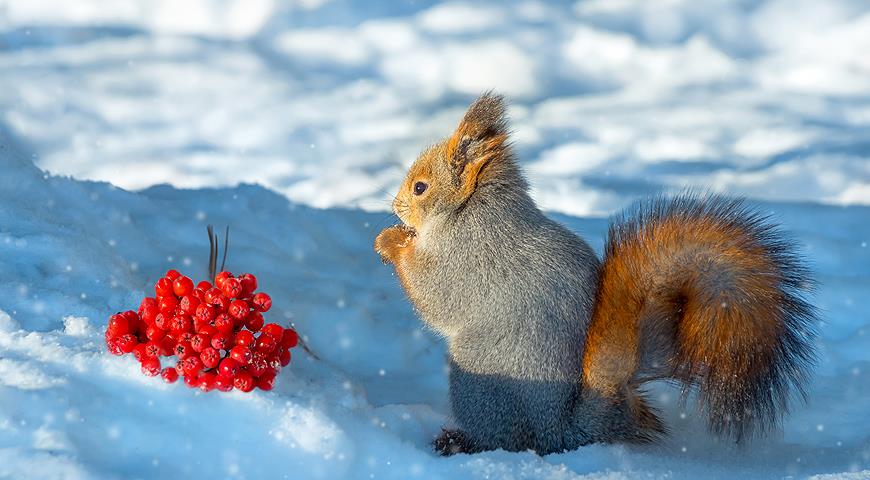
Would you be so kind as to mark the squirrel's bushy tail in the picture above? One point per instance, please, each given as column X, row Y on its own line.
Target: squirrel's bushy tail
column 706, row 291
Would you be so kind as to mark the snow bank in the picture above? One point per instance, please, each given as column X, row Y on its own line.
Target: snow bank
column 73, row 252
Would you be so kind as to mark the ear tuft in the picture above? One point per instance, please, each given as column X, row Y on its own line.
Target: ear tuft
column 481, row 135
column 486, row 116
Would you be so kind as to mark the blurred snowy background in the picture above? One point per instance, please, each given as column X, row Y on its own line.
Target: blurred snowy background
column 323, row 104
column 328, row 101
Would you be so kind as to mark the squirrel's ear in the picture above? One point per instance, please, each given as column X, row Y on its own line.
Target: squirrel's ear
column 480, row 137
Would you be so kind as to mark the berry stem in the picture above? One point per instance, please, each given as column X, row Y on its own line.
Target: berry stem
column 226, row 247
column 214, row 251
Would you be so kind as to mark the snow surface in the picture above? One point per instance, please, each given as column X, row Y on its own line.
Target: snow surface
column 126, row 126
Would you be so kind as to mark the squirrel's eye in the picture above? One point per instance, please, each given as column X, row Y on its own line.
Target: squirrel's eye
column 419, row 188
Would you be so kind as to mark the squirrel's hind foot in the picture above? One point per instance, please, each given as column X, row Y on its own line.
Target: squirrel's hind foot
column 451, row 442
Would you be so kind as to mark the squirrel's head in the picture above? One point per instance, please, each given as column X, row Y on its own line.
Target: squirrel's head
column 447, row 174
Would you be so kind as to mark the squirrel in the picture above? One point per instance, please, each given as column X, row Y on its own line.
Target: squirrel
column 550, row 347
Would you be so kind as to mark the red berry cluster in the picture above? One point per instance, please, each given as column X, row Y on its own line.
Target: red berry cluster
column 216, row 333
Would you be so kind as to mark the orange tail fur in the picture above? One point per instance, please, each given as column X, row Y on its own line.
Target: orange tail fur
column 706, row 291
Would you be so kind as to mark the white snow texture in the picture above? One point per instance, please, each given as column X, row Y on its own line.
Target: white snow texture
column 126, row 126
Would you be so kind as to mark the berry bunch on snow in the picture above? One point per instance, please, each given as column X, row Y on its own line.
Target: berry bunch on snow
column 216, row 333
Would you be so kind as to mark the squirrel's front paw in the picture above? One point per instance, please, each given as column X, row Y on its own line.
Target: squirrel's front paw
column 451, row 442
column 391, row 240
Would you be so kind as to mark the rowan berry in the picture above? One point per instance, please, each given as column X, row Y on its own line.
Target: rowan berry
column 170, row 375
column 182, row 286
column 262, row 302
column 241, row 354
column 243, row 381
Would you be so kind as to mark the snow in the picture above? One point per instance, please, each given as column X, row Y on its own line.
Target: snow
column 128, row 126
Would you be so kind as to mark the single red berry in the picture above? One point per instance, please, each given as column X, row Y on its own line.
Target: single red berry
column 181, row 323
column 162, row 321
column 192, row 365
column 114, row 346
column 189, row 303
column 199, row 293
column 220, row 277
column 205, row 313
column 290, row 338
column 222, row 341
column 224, row 323
column 245, row 339
column 199, row 342
column 239, row 309
column 241, row 354
column 243, row 381
column 167, row 305
column 204, row 285
column 182, row 286
column 206, row 381
column 210, row 357
column 274, row 358
column 118, row 325
column 232, row 288
column 274, row 330
column 139, row 352
column 207, row 330
column 222, row 304
column 147, row 302
column 259, row 364
column 254, row 321
column 223, row 384
column 185, row 337
column 266, row 382
column 273, row 369
column 228, row 367
column 249, row 284
column 172, row 274
column 262, row 302
column 152, row 349
column 169, row 374
column 265, row 344
column 163, row 287
column 284, row 357
column 183, row 350
column 212, row 295
column 148, row 310
column 148, row 314
column 127, row 342
column 151, row 366
column 191, row 380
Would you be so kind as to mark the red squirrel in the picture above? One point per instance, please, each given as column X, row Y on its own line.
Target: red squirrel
column 549, row 347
